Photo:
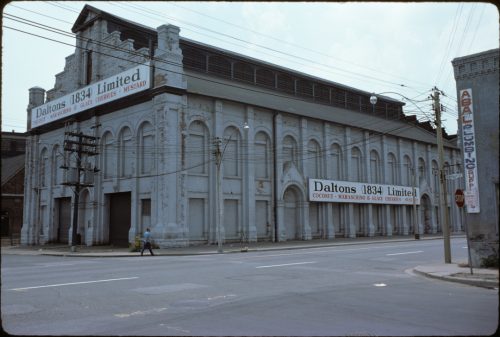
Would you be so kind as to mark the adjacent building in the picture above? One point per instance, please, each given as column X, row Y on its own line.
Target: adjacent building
column 13, row 160
column 478, row 95
column 202, row 144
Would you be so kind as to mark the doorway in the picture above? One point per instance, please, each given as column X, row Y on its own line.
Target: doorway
column 64, row 219
column 119, row 218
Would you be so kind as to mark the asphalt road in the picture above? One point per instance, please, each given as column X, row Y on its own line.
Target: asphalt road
column 343, row 290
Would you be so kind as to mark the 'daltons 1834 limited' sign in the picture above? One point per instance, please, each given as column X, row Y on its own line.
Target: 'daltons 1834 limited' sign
column 118, row 86
column 364, row 193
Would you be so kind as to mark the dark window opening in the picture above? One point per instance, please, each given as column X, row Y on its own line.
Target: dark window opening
column 322, row 93
column 243, row 72
column 304, row 88
column 352, row 101
column 219, row 65
column 338, row 98
column 194, row 59
column 265, row 77
column 88, row 67
column 286, row 83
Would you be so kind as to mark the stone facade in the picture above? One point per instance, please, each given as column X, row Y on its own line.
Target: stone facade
column 480, row 73
column 156, row 149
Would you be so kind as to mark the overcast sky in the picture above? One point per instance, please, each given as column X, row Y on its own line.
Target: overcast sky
column 406, row 48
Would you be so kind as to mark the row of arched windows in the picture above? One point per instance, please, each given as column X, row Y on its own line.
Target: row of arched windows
column 123, row 155
column 198, row 153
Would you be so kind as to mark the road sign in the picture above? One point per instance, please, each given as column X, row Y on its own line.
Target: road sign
column 454, row 176
column 459, row 198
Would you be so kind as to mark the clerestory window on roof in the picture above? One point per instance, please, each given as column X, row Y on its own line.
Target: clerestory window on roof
column 265, row 77
column 194, row 59
column 304, row 88
column 244, row 72
column 219, row 65
column 286, row 83
column 322, row 93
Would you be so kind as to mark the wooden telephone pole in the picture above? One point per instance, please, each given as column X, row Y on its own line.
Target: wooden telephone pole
column 82, row 145
column 443, row 194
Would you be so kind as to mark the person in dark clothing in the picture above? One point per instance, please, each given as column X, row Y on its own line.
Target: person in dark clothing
column 147, row 242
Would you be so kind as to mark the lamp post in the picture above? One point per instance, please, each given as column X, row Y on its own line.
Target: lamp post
column 219, row 156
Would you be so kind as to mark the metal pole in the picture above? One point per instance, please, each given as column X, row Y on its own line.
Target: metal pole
column 468, row 241
column 442, row 194
column 415, row 223
column 219, row 217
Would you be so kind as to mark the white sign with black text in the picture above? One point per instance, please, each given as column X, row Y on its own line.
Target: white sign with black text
column 118, row 86
column 362, row 193
column 469, row 150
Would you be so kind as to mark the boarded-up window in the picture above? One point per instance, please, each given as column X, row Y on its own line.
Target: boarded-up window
column 197, row 149
column 262, row 156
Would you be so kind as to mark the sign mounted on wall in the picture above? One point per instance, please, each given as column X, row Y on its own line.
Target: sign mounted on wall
column 112, row 88
column 469, row 150
column 363, row 193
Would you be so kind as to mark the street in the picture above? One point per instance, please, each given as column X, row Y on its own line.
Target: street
column 343, row 290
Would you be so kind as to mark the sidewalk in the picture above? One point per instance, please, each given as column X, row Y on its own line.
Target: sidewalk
column 481, row 277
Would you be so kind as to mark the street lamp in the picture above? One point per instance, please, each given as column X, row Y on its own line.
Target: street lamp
column 219, row 155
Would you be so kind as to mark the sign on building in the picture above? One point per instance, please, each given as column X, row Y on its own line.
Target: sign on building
column 363, row 193
column 112, row 88
column 469, row 150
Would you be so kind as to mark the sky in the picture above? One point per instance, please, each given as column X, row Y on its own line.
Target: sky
column 400, row 49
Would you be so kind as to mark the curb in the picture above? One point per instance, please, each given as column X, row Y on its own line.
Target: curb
column 489, row 284
column 232, row 250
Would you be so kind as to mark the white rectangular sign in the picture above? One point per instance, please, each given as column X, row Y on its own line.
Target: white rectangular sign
column 469, row 150
column 363, row 193
column 118, row 86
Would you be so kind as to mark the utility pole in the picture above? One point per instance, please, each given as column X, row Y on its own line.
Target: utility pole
column 443, row 203
column 219, row 216
column 81, row 144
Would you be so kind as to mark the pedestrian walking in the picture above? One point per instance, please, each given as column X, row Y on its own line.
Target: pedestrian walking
column 147, row 242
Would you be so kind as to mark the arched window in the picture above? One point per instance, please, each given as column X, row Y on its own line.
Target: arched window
column 406, row 171
column 313, row 159
column 147, row 148
column 421, row 168
column 336, row 162
column 109, row 156
column 219, row 65
column 392, row 169
column 356, row 165
column 44, row 167
column 231, row 152
column 197, row 151
column 244, row 72
column 290, row 154
column 57, row 162
column 125, row 151
column 262, row 156
column 375, row 170
column 435, row 175
column 265, row 77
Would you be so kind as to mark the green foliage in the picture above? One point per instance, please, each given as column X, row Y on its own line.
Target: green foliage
column 491, row 261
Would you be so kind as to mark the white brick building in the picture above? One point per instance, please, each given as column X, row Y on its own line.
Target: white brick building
column 156, row 163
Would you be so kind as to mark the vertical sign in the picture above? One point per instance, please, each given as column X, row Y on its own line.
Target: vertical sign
column 469, row 148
